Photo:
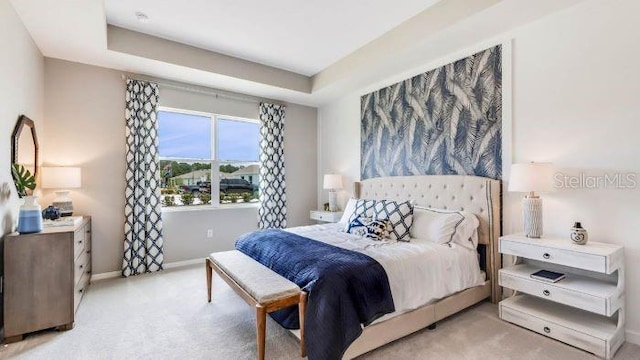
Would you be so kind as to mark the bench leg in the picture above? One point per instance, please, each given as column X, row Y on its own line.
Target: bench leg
column 209, row 270
column 302, row 308
column 261, row 327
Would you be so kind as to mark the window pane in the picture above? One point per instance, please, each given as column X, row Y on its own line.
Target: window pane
column 237, row 140
column 238, row 183
column 184, row 136
column 185, row 183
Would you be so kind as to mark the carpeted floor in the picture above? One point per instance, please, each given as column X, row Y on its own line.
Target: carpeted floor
column 166, row 316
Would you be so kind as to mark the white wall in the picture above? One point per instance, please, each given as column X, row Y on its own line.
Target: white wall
column 21, row 92
column 575, row 103
column 85, row 124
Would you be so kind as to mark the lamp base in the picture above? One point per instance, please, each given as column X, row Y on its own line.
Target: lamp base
column 63, row 202
column 333, row 201
column 532, row 216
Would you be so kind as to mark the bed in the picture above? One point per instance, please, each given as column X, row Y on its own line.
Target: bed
column 428, row 281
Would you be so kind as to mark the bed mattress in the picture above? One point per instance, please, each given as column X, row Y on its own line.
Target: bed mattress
column 420, row 272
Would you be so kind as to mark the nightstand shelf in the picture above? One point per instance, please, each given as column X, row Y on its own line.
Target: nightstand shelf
column 326, row 216
column 586, row 309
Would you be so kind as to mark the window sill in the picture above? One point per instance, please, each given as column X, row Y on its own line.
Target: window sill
column 209, row 207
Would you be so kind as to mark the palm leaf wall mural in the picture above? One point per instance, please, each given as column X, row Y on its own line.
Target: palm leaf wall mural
column 447, row 121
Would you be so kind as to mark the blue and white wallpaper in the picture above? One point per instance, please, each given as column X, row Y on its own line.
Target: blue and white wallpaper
column 445, row 121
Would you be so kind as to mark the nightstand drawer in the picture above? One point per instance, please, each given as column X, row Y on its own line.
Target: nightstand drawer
column 579, row 260
column 325, row 216
column 553, row 330
column 555, row 293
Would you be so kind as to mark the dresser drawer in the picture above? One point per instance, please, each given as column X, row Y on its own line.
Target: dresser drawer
column 79, row 243
column 79, row 290
column 549, row 328
column 82, row 265
column 579, row 260
column 549, row 291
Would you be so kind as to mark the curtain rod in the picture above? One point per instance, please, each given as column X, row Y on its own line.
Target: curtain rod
column 211, row 92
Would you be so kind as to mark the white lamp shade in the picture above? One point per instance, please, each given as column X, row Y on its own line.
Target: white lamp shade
column 332, row 181
column 536, row 177
column 61, row 177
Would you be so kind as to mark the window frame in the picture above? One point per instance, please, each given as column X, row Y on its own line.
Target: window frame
column 214, row 161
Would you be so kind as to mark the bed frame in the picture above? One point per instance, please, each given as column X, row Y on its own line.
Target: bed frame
column 481, row 196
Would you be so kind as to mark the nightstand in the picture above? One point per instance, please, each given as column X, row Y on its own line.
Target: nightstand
column 326, row 216
column 585, row 310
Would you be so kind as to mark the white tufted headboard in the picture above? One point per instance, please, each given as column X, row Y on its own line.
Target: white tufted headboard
column 478, row 195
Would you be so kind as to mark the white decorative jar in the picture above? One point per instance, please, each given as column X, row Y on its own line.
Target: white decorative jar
column 30, row 217
column 579, row 235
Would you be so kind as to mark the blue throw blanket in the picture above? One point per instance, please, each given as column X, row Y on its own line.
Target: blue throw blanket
column 345, row 288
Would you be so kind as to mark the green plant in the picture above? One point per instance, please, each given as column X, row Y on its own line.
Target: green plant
column 23, row 179
column 187, row 199
column 204, row 198
column 246, row 197
column 169, row 201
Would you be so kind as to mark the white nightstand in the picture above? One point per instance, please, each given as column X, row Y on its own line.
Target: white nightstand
column 326, row 216
column 585, row 310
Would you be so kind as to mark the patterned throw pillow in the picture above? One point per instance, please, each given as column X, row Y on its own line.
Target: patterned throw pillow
column 399, row 214
column 362, row 208
column 369, row 228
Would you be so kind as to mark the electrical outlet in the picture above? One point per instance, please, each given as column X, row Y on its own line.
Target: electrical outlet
column 210, row 233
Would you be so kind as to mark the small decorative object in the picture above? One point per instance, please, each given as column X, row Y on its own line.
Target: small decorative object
column 62, row 179
column 51, row 213
column 530, row 178
column 326, row 206
column 579, row 235
column 30, row 217
column 332, row 182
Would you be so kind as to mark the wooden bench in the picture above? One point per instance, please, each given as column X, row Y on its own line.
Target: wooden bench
column 260, row 287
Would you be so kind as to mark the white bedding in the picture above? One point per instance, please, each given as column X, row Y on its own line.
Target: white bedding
column 419, row 271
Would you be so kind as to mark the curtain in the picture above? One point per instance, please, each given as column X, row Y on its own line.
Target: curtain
column 143, row 223
column 273, row 209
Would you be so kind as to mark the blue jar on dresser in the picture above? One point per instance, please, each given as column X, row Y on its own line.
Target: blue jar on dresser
column 30, row 217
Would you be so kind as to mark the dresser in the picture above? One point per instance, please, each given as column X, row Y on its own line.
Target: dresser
column 45, row 276
column 586, row 309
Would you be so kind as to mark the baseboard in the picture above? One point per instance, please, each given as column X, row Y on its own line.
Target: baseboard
column 171, row 265
column 633, row 337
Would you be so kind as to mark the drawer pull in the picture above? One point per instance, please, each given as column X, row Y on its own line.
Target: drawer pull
column 546, row 329
column 546, row 256
column 79, row 241
column 81, row 266
column 546, row 293
column 81, row 290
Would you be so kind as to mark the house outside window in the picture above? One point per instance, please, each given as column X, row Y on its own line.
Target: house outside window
column 207, row 159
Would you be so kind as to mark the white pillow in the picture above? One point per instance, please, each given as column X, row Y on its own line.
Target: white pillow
column 348, row 210
column 445, row 226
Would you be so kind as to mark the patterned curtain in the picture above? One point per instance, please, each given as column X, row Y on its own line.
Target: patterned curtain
column 143, row 224
column 273, row 208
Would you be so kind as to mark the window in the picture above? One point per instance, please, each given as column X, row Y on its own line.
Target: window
column 206, row 159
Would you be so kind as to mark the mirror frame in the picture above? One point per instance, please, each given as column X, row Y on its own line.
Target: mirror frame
column 22, row 123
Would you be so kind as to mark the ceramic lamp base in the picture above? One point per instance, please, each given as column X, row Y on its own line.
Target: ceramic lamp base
column 63, row 202
column 333, row 201
column 532, row 216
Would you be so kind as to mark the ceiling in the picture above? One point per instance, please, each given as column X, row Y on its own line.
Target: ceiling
column 300, row 36
column 304, row 52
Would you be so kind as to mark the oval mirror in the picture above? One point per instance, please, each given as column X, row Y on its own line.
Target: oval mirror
column 24, row 145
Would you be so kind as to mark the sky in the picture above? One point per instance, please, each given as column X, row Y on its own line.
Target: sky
column 189, row 136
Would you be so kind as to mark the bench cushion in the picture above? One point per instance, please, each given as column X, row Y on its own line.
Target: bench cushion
column 257, row 280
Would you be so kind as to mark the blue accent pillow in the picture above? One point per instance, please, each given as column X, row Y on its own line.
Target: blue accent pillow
column 374, row 229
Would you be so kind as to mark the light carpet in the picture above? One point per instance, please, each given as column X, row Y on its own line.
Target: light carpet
column 166, row 316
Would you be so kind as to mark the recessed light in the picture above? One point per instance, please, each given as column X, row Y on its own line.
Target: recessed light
column 142, row 17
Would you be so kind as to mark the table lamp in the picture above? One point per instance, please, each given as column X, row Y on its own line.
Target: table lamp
column 63, row 179
column 531, row 178
column 332, row 182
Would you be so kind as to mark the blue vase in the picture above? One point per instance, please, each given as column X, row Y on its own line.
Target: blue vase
column 30, row 217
